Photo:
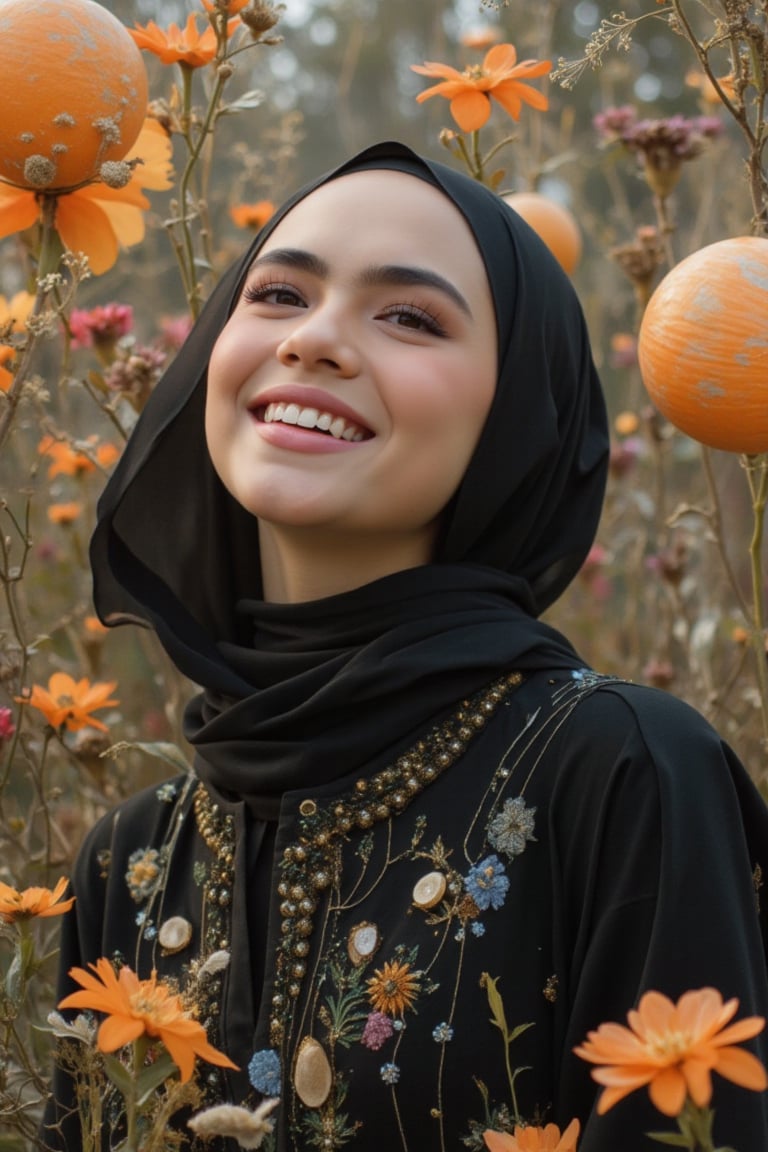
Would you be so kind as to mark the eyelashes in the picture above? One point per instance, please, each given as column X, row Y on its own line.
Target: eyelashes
column 409, row 316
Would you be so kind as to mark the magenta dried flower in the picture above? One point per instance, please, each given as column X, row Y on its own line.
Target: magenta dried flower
column 378, row 1029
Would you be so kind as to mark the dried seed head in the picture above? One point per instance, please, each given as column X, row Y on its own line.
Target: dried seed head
column 39, row 171
column 260, row 16
column 115, row 173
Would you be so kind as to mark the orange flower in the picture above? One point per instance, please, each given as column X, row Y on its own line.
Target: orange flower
column 137, row 1008
column 709, row 94
column 252, row 216
column 41, row 902
column 98, row 219
column 186, row 46
column 65, row 460
column 393, row 988
column 532, row 1139
column 499, row 76
column 65, row 513
column 674, row 1048
column 6, row 377
column 70, row 703
column 15, row 312
column 233, row 6
column 481, row 37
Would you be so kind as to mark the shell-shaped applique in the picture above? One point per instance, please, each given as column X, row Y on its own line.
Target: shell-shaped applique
column 174, row 934
column 429, row 890
column 362, row 942
column 312, row 1075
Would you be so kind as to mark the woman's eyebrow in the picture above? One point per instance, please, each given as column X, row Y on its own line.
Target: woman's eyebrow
column 395, row 275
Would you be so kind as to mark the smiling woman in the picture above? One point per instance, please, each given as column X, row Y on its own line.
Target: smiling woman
column 413, row 812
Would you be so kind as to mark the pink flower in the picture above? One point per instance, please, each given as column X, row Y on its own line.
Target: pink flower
column 7, row 726
column 378, row 1029
column 174, row 331
column 101, row 326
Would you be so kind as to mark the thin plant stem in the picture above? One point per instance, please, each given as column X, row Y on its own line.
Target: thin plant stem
column 756, row 468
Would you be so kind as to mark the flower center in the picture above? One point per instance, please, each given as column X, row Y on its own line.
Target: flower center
column 670, row 1046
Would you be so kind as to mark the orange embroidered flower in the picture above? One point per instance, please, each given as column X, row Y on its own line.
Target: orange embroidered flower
column 135, row 1008
column 393, row 988
column 65, row 513
column 97, row 219
column 186, row 46
column 70, row 702
column 252, row 216
column 499, row 76
column 674, row 1048
column 533, row 1139
column 40, row 902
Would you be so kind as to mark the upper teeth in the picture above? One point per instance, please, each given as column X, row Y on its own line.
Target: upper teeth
column 338, row 427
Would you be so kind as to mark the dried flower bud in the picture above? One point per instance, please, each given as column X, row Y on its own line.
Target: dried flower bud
column 225, row 70
column 259, row 16
column 39, row 171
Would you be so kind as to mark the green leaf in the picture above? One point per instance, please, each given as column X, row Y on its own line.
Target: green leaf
column 495, row 1003
column 151, row 1077
column 675, row 1139
column 118, row 1074
column 13, row 978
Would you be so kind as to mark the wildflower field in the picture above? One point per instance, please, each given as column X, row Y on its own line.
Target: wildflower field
column 638, row 138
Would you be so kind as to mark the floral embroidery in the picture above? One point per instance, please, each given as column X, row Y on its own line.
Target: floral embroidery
column 390, row 1073
column 487, row 883
column 509, row 830
column 477, row 928
column 144, row 872
column 378, row 1029
column 167, row 791
column 393, row 988
column 264, row 1072
column 442, row 1033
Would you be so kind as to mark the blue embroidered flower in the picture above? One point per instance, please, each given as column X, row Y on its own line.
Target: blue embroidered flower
column 390, row 1073
column 477, row 928
column 442, row 1033
column 264, row 1072
column 141, row 917
column 150, row 932
column 398, row 1025
column 459, row 934
column 487, row 883
column 512, row 827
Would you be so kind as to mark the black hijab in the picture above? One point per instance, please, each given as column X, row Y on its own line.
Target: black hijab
column 299, row 694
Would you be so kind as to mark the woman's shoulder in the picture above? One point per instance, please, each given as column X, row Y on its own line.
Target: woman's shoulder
column 142, row 818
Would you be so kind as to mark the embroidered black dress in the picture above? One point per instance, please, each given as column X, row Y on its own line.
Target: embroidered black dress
column 411, row 799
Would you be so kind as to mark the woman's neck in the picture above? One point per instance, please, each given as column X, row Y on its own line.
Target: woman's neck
column 300, row 565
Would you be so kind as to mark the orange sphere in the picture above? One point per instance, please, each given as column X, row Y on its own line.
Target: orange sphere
column 553, row 223
column 74, row 91
column 703, row 345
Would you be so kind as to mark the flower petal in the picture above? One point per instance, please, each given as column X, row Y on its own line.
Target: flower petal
column 667, row 1091
column 742, row 1068
column 470, row 110
column 117, row 1031
column 85, row 227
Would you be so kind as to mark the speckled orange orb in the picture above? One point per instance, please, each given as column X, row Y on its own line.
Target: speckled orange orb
column 553, row 223
column 703, row 345
column 74, row 91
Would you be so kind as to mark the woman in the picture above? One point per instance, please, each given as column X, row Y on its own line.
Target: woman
column 379, row 457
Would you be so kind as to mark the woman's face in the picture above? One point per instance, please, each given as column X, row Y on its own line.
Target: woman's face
column 348, row 389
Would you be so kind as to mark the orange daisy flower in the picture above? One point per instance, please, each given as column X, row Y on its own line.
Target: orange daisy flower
column 187, row 46
column 499, row 76
column 135, row 1008
column 40, row 902
column 252, row 216
column 98, row 219
column 65, row 460
column 15, row 312
column 674, row 1048
column 533, row 1139
column 233, row 6
column 70, row 702
column 393, row 988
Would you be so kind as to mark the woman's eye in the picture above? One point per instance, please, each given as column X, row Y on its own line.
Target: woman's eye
column 272, row 294
column 408, row 316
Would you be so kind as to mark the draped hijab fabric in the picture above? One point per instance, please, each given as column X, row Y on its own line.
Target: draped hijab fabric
column 312, row 691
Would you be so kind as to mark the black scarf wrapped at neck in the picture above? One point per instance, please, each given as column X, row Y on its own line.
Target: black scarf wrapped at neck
column 300, row 694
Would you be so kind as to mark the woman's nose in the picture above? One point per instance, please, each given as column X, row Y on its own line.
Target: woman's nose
column 319, row 341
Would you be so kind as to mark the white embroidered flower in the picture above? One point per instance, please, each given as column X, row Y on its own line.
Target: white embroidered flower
column 216, row 962
column 512, row 827
column 248, row 1128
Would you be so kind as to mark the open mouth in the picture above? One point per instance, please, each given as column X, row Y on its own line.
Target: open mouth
column 314, row 420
